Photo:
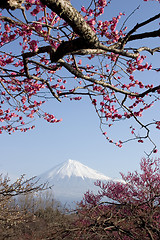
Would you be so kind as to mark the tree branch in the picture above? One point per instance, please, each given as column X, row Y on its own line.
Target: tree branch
column 144, row 35
column 138, row 25
column 65, row 10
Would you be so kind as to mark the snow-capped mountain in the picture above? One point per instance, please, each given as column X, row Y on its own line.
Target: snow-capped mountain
column 71, row 179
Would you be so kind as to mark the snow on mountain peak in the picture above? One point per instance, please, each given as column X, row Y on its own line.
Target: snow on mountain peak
column 70, row 180
column 74, row 168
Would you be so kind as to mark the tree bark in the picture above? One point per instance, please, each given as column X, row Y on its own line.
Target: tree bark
column 11, row 4
column 65, row 10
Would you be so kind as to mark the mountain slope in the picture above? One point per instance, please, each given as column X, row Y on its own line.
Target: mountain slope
column 74, row 168
column 71, row 179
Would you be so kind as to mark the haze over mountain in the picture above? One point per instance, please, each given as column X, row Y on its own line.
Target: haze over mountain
column 71, row 179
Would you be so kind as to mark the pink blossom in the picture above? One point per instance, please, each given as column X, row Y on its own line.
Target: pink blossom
column 33, row 45
column 1, row 112
column 7, row 28
column 155, row 151
column 83, row 9
column 102, row 3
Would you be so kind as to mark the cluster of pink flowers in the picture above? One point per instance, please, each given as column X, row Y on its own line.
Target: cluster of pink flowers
column 128, row 205
column 33, row 45
column 22, row 93
column 134, row 187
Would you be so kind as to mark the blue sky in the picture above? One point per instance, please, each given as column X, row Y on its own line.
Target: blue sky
column 78, row 136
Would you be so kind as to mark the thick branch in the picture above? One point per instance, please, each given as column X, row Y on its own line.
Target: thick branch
column 145, row 35
column 11, row 4
column 157, row 49
column 68, row 47
column 138, row 25
column 66, row 11
column 79, row 46
column 141, row 95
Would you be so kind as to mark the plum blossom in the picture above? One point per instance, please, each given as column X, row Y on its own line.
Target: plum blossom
column 33, row 45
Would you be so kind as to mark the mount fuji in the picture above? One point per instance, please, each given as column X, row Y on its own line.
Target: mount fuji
column 70, row 180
